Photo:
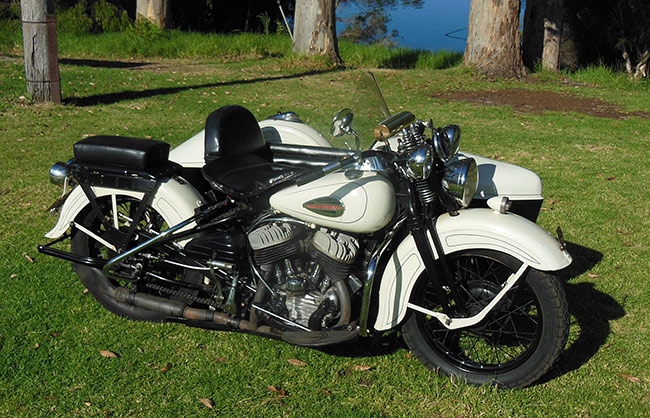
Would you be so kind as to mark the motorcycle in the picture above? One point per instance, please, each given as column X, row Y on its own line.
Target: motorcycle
column 266, row 228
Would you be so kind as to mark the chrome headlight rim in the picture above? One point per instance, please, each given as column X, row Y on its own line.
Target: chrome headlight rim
column 420, row 163
column 446, row 142
column 460, row 180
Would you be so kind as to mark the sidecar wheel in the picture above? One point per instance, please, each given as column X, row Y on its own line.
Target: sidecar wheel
column 94, row 279
column 514, row 345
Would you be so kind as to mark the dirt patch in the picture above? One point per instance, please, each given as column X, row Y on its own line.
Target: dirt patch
column 533, row 101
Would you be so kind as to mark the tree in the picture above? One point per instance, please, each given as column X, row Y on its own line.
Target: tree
column 314, row 30
column 543, row 24
column 155, row 11
column 41, row 50
column 493, row 40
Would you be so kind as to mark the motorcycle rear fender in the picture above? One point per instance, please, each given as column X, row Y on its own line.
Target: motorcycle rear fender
column 470, row 229
column 175, row 201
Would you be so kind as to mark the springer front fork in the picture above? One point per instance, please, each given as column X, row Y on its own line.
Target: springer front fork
column 454, row 314
column 422, row 226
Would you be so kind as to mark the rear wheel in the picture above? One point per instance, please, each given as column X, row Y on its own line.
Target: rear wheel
column 96, row 282
column 514, row 345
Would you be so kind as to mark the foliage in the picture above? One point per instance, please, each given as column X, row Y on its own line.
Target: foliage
column 92, row 17
column 74, row 20
column 10, row 10
column 109, row 18
column 604, row 30
column 266, row 21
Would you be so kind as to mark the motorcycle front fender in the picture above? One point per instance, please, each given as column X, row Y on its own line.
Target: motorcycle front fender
column 175, row 201
column 470, row 229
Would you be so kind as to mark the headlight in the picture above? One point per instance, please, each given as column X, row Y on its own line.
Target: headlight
column 461, row 180
column 420, row 163
column 58, row 173
column 446, row 142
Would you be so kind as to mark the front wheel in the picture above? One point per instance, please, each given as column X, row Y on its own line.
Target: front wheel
column 514, row 345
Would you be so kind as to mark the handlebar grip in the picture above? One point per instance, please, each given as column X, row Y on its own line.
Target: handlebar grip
column 310, row 176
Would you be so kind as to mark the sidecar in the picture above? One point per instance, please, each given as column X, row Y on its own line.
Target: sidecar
column 294, row 142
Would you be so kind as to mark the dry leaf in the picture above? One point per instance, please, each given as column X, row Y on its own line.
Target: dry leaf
column 55, row 335
column 13, row 276
column 280, row 392
column 31, row 260
column 207, row 402
column 85, row 291
column 87, row 403
column 107, row 353
column 631, row 378
column 611, row 178
column 327, row 392
column 359, row 368
column 165, row 368
column 296, row 362
column 50, row 397
column 409, row 356
column 592, row 275
column 221, row 359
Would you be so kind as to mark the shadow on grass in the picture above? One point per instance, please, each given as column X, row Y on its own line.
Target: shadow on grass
column 380, row 345
column 101, row 63
column 591, row 309
column 133, row 94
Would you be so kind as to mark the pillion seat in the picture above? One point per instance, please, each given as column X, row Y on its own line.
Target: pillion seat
column 238, row 160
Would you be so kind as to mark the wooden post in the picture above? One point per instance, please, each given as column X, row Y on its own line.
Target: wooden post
column 40, row 50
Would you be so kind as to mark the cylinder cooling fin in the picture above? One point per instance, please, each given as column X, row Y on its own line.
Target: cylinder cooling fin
column 270, row 235
column 343, row 248
column 274, row 242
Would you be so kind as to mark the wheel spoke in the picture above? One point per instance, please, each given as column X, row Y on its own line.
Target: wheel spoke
column 506, row 335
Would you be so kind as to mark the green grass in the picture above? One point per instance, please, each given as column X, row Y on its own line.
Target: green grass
column 145, row 41
column 51, row 333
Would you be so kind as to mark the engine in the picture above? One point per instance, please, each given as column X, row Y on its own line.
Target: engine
column 307, row 273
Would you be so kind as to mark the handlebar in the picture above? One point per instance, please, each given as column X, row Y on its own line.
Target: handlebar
column 316, row 173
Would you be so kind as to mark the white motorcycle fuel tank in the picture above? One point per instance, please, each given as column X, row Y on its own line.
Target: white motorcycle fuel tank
column 356, row 201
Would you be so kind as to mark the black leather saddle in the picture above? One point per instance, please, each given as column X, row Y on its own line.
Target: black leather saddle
column 237, row 156
column 121, row 151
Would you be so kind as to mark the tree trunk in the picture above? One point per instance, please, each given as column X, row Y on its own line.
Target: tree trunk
column 543, row 23
column 155, row 11
column 40, row 50
column 315, row 29
column 493, row 40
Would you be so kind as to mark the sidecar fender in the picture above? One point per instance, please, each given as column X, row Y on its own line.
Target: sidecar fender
column 175, row 201
column 470, row 229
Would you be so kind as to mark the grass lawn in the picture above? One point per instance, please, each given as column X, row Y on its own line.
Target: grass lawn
column 52, row 333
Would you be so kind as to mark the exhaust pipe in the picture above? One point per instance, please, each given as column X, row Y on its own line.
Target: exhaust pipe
column 176, row 308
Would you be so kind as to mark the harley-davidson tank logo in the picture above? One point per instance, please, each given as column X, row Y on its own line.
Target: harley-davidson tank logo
column 326, row 206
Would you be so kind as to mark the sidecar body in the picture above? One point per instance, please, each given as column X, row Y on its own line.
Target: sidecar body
column 496, row 178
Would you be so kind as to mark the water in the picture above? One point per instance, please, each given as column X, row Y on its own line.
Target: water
column 438, row 24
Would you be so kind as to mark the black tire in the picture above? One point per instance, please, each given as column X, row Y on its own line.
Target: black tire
column 514, row 345
column 94, row 279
